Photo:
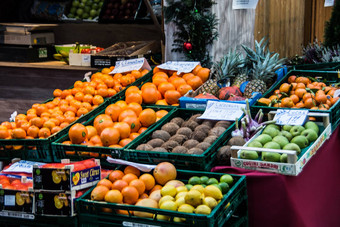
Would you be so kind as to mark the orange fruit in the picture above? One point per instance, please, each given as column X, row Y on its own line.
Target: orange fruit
column 161, row 102
column 113, row 196
column 119, row 185
column 284, row 88
column 123, row 128
column 161, row 113
column 172, row 97
column 148, row 85
column 196, row 69
column 165, row 86
column 157, row 80
column 4, row 132
column 97, row 100
column 321, row 98
column 184, row 88
column 88, row 98
column 203, row 74
column 57, row 93
column 122, row 104
column 125, row 113
column 139, row 185
column 164, row 172
column 160, row 74
column 55, row 129
column 113, row 110
column 116, row 175
column 18, row 133
column 178, row 82
column 174, row 76
column 101, row 122
column 188, row 76
column 106, row 70
column 149, row 181
column 105, row 182
column 130, row 195
column 82, row 111
column 96, row 140
column 125, row 142
column 147, row 117
column 132, row 89
column 136, row 74
column 134, row 135
column 142, row 129
column 109, row 136
column 295, row 98
column 133, row 170
column 134, row 97
column 309, row 103
column 287, row 102
column 194, row 82
column 77, row 133
column 136, row 107
column 31, row 131
column 303, row 80
column 300, row 92
column 91, row 131
column 149, row 95
column 99, row 192
column 129, row 177
column 44, row 133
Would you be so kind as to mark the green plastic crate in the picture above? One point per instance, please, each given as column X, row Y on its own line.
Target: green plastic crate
column 182, row 161
column 39, row 221
column 327, row 77
column 59, row 150
column 319, row 67
column 40, row 149
column 233, row 208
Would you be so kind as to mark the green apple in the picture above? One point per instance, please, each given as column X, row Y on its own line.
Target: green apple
column 287, row 127
column 73, row 10
column 272, row 145
column 312, row 125
column 271, row 131
column 93, row 13
column 301, row 141
column 263, row 139
column 281, row 140
column 274, row 126
column 80, row 12
column 75, row 3
column 310, row 134
column 271, row 157
column 293, row 147
column 249, row 155
column 296, row 130
column 287, row 135
column 284, row 158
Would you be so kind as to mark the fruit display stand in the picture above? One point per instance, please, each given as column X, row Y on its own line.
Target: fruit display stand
column 231, row 211
column 319, row 66
column 203, row 161
column 328, row 77
column 80, row 152
column 295, row 163
column 40, row 149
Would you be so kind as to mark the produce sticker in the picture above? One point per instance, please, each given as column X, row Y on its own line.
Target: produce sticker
column 222, row 111
column 131, row 64
column 290, row 117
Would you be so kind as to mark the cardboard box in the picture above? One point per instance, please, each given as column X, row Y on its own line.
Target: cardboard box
column 79, row 59
column 65, row 179
column 29, row 38
column 36, row 53
column 123, row 51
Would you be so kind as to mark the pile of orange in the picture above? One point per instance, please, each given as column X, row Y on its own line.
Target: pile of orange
column 121, row 123
column 43, row 120
column 301, row 92
column 125, row 187
column 167, row 86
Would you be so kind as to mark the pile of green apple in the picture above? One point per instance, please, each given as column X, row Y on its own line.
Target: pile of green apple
column 285, row 137
column 85, row 9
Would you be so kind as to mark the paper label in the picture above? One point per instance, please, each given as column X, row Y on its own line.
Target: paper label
column 245, row 4
column 131, row 64
column 222, row 111
column 179, row 66
column 336, row 93
column 22, row 166
column 133, row 224
column 86, row 58
column 290, row 117
column 87, row 76
column 9, row 200
column 329, row 3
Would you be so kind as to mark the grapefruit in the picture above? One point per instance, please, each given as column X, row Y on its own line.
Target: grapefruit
column 164, row 172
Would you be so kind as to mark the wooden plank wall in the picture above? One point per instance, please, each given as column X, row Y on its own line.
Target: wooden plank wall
column 320, row 15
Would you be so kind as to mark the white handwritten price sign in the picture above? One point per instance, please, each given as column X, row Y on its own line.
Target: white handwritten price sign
column 245, row 4
column 179, row 66
column 329, row 3
column 290, row 117
column 222, row 111
column 131, row 64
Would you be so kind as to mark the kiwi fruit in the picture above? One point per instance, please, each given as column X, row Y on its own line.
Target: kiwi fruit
column 161, row 134
column 216, row 131
column 223, row 155
column 179, row 138
column 195, row 150
column 144, row 147
column 203, row 128
column 155, row 142
column 169, row 145
column 184, row 131
column 204, row 145
column 224, row 124
column 236, row 141
column 190, row 143
column 195, row 118
column 178, row 121
column 180, row 150
column 190, row 124
column 171, row 128
column 159, row 149
column 210, row 139
column 210, row 123
column 198, row 135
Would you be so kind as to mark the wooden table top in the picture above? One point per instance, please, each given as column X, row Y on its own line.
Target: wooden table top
column 45, row 65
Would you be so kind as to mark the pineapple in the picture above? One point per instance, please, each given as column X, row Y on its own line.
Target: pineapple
column 263, row 73
column 210, row 86
column 241, row 78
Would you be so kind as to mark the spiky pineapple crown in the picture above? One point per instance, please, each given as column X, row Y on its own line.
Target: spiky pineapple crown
column 229, row 65
column 265, row 69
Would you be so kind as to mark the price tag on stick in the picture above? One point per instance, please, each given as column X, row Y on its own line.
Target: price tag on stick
column 222, row 111
column 290, row 117
column 131, row 64
column 179, row 66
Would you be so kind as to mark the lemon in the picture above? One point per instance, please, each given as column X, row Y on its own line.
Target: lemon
column 193, row 197
column 210, row 202
column 169, row 205
column 181, row 194
column 165, row 198
column 198, row 187
column 203, row 209
column 180, row 201
column 162, row 217
column 19, row 200
column 178, row 219
column 213, row 191
column 181, row 189
column 169, row 190
column 186, row 208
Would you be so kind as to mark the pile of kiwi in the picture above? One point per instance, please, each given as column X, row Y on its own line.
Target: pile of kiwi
column 185, row 136
column 224, row 153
